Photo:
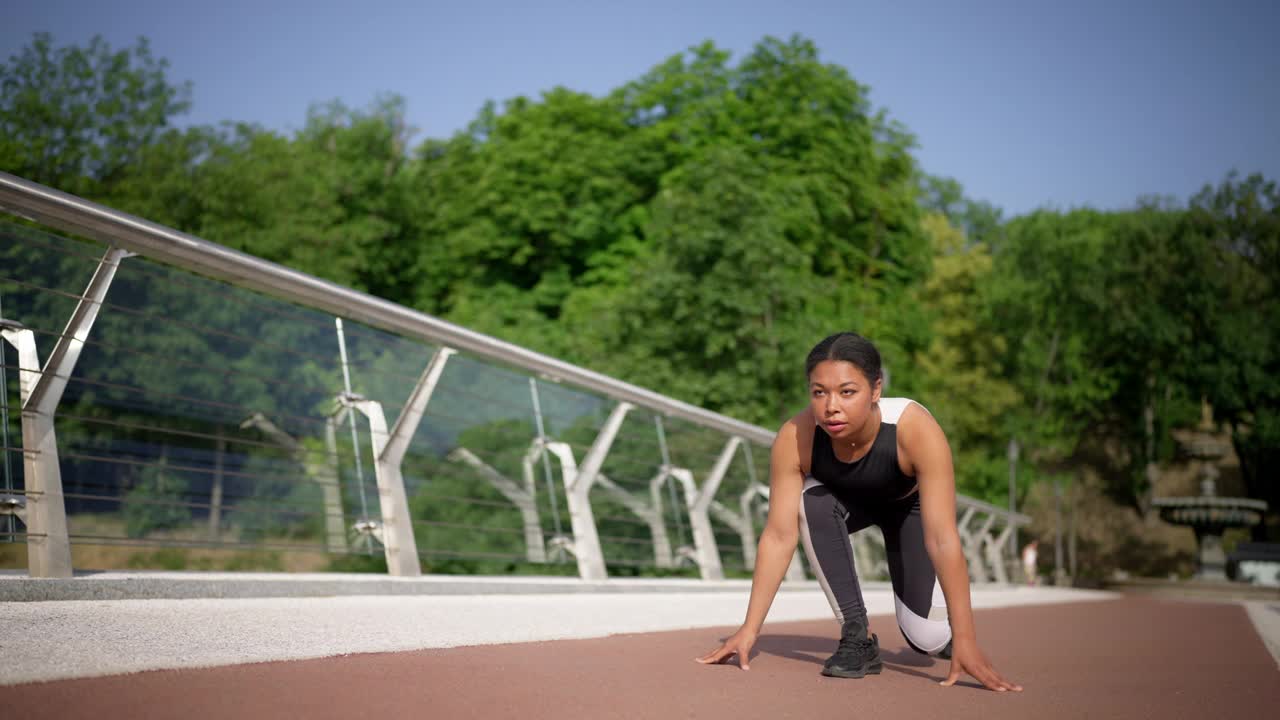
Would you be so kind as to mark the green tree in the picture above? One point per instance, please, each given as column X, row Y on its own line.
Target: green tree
column 327, row 201
column 1048, row 292
column 693, row 228
column 77, row 118
column 961, row 376
column 157, row 502
column 1099, row 308
column 978, row 219
column 513, row 213
column 1152, row 278
column 1237, row 343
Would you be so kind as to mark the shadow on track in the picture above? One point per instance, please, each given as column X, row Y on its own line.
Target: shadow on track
column 816, row 650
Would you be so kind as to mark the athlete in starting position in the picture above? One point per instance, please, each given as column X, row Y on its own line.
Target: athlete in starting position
column 851, row 460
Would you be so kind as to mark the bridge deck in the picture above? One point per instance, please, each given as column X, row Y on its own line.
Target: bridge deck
column 1114, row 656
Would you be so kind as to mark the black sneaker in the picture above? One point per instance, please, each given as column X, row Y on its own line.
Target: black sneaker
column 857, row 655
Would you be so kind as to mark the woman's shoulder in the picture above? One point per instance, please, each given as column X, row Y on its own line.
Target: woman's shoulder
column 896, row 409
column 799, row 427
column 913, row 420
column 796, row 435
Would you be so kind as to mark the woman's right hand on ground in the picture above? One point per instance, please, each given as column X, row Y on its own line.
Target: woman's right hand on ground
column 739, row 644
column 967, row 658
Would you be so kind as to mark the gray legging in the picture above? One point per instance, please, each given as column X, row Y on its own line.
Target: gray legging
column 825, row 526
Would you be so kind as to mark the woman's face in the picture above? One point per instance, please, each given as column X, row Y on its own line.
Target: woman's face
column 841, row 398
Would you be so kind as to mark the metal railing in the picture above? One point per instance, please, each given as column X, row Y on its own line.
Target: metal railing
column 217, row 404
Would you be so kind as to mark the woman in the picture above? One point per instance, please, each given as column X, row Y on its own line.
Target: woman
column 850, row 460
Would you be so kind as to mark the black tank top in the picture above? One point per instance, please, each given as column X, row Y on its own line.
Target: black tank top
column 875, row 477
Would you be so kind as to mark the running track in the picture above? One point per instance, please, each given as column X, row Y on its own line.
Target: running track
column 1131, row 657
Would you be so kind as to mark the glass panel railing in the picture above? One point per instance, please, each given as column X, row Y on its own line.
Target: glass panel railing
column 207, row 425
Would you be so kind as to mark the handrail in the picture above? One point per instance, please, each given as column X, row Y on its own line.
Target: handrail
column 73, row 214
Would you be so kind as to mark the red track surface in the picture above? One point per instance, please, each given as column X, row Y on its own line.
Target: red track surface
column 1130, row 658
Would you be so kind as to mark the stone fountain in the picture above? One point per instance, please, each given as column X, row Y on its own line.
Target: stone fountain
column 1207, row 514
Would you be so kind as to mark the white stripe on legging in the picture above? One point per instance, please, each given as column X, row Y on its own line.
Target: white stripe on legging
column 807, row 541
column 930, row 634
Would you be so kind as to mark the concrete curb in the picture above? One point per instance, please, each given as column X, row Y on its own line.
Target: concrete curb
column 158, row 585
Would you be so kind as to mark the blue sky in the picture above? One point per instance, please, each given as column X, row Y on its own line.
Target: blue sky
column 1028, row 104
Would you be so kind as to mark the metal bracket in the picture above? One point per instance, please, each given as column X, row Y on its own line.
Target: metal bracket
column 15, row 505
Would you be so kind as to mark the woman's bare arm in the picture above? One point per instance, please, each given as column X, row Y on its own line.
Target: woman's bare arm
column 930, row 456
column 776, row 547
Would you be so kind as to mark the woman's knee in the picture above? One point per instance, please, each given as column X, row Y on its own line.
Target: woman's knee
column 928, row 635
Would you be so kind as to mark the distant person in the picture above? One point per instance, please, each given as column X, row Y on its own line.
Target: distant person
column 1029, row 561
column 850, row 460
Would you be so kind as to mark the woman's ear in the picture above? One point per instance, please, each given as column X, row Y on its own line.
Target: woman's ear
column 876, row 390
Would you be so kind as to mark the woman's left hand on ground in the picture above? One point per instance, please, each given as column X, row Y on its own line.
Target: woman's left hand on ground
column 968, row 658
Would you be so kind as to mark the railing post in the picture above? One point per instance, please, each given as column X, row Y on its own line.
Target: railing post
column 699, row 501
column 706, row 541
column 48, row 542
column 389, row 447
column 397, row 443
column 995, row 551
column 701, row 554
column 795, row 571
column 662, row 554
column 651, row 514
column 524, row 498
column 397, row 527
column 578, row 483
column 985, row 553
column 980, row 539
column 741, row 525
column 869, row 551
column 972, row 542
column 323, row 473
